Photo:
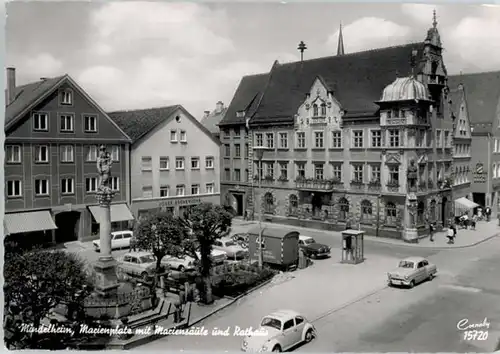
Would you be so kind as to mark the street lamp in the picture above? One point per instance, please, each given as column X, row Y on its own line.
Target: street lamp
column 259, row 153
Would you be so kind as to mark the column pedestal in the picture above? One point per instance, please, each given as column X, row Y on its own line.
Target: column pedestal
column 410, row 235
column 106, row 282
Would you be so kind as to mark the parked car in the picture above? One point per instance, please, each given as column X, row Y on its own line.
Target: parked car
column 411, row 271
column 241, row 239
column 181, row 264
column 283, row 329
column 141, row 264
column 119, row 239
column 218, row 256
column 313, row 249
column 231, row 248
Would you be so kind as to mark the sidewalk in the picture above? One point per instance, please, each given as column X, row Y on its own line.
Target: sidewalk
column 465, row 238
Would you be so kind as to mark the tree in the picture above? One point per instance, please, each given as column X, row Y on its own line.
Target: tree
column 35, row 283
column 204, row 223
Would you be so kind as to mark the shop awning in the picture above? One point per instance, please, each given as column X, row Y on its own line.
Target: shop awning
column 119, row 212
column 464, row 203
column 28, row 221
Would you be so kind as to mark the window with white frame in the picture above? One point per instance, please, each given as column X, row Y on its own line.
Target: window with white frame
column 173, row 136
column 147, row 191
column 209, row 162
column 227, row 150
column 66, row 97
column 376, row 138
column 164, row 191
column 394, row 174
column 41, row 153
column 90, row 123
column 237, row 150
column 195, row 189
column 237, row 175
column 209, row 188
column 270, row 169
column 336, row 139
column 301, row 140
column 318, row 140
column 357, row 173
column 394, row 138
column 337, row 171
column 91, row 153
column 91, row 184
column 315, row 110
column 146, row 163
column 446, row 138
column 115, row 152
column 40, row 121
column 14, row 189
column 259, row 140
column 13, row 153
column 67, row 153
column 323, row 109
column 357, row 138
column 183, row 136
column 260, row 170
column 41, row 187
column 375, row 175
column 180, row 190
column 67, row 123
column 179, row 163
column 67, row 186
column 283, row 140
column 438, row 138
column 319, row 171
column 246, row 150
column 195, row 163
column 270, row 140
column 300, row 168
column 115, row 184
column 284, row 170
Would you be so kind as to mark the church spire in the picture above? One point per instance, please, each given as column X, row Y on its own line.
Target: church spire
column 340, row 47
column 434, row 19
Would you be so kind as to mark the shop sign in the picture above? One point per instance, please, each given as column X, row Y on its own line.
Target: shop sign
column 480, row 174
column 180, row 202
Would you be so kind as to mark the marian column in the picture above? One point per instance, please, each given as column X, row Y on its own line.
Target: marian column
column 105, row 267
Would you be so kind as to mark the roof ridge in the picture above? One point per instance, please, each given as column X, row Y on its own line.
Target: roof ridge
column 275, row 64
column 352, row 54
column 143, row 109
column 478, row 73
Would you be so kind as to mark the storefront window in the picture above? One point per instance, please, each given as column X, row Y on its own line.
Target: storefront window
column 366, row 210
column 268, row 203
column 344, row 209
column 294, row 205
column 390, row 213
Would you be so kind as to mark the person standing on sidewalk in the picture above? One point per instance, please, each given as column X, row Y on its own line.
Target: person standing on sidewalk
column 431, row 231
column 487, row 212
column 450, row 235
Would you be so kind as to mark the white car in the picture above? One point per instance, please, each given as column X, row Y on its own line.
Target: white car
column 218, row 256
column 230, row 247
column 119, row 239
column 280, row 331
column 181, row 264
column 411, row 271
column 141, row 264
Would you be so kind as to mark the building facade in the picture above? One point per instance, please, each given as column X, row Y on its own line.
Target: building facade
column 53, row 132
column 174, row 160
column 361, row 137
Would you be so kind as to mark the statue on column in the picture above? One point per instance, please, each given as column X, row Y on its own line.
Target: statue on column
column 104, row 163
column 412, row 174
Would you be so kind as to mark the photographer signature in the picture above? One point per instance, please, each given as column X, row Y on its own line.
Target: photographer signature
column 465, row 325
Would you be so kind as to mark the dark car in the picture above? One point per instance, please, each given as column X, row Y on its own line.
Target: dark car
column 313, row 249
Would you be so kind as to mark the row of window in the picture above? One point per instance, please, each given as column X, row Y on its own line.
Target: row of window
column 164, row 163
column 462, row 175
column 180, row 190
column 41, row 153
column 67, row 186
column 237, row 150
column 394, row 139
column 66, row 122
column 462, row 150
column 226, row 133
column 177, row 135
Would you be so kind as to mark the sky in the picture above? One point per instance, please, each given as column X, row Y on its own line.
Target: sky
column 133, row 55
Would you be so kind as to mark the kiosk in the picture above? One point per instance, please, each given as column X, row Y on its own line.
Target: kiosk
column 352, row 246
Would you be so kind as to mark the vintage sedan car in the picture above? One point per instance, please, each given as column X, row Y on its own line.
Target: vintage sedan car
column 218, row 256
column 119, row 239
column 141, row 264
column 411, row 271
column 182, row 264
column 313, row 249
column 279, row 331
column 231, row 248
column 241, row 239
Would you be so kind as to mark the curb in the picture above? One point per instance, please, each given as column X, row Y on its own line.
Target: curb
column 387, row 242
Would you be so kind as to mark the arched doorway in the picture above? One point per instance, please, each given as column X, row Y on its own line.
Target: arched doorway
column 316, row 203
column 268, row 203
column 67, row 223
column 444, row 211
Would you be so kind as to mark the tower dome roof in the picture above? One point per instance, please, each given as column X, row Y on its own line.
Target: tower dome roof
column 404, row 89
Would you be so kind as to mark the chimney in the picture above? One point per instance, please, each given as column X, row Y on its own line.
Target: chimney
column 206, row 114
column 219, row 106
column 11, row 85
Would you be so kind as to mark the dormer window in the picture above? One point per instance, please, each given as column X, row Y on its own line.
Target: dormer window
column 315, row 110
column 240, row 114
column 66, row 97
column 323, row 109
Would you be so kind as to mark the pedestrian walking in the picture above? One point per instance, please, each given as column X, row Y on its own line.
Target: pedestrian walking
column 133, row 244
column 431, row 231
column 450, row 235
column 487, row 212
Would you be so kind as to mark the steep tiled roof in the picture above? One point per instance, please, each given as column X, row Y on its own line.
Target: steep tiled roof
column 27, row 94
column 246, row 98
column 357, row 81
column 482, row 94
column 211, row 122
column 138, row 123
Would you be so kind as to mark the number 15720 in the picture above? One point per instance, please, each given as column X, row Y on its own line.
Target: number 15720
column 475, row 335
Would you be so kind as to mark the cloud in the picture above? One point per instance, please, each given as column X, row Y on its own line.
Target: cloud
column 369, row 33
column 43, row 65
column 421, row 13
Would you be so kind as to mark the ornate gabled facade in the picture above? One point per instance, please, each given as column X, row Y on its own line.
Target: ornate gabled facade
column 360, row 136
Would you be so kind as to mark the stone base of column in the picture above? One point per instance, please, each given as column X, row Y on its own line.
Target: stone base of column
column 410, row 235
column 106, row 280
